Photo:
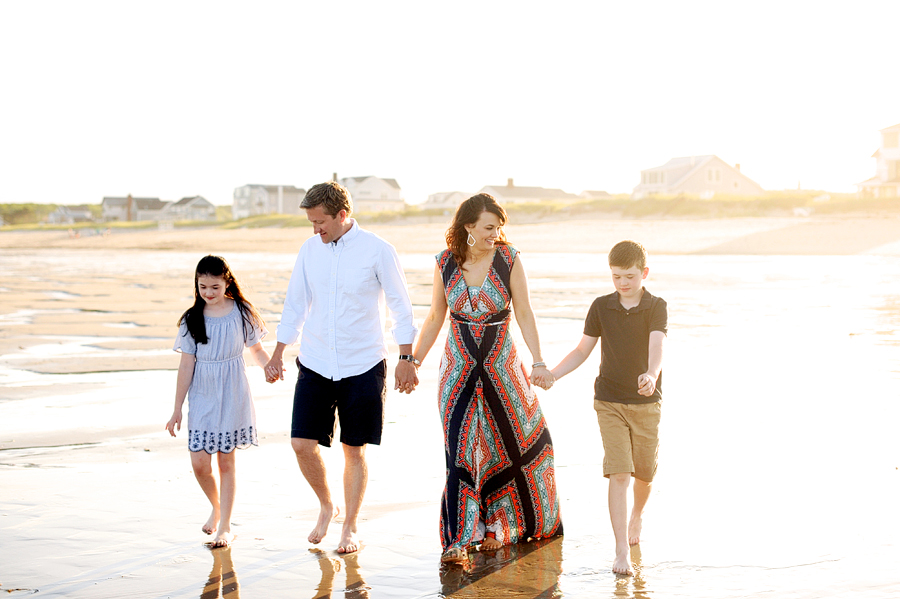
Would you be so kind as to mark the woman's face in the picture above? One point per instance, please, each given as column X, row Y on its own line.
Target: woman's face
column 486, row 231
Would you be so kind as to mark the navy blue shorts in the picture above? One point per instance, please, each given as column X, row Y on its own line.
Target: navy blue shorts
column 359, row 401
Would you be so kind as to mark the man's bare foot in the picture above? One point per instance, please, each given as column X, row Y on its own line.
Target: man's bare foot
column 223, row 539
column 326, row 516
column 622, row 565
column 455, row 555
column 210, row 526
column 490, row 544
column 634, row 531
column 349, row 541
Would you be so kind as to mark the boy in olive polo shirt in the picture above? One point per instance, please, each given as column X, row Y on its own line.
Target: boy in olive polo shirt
column 631, row 324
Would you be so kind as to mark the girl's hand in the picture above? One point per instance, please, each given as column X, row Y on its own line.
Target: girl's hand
column 174, row 423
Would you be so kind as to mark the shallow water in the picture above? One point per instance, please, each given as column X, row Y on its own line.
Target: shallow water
column 778, row 468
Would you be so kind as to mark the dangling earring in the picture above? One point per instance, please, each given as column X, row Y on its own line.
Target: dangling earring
column 470, row 241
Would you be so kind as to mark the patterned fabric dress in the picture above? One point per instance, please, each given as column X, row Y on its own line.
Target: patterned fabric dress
column 499, row 454
column 221, row 416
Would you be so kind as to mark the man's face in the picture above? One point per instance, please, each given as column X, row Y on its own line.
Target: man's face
column 328, row 228
column 629, row 281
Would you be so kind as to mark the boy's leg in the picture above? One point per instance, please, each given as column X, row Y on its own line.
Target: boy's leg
column 641, row 495
column 618, row 516
column 644, row 422
column 227, row 491
column 201, row 462
column 313, row 468
column 356, row 476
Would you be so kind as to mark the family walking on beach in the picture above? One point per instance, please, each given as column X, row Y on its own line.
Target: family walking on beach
column 500, row 479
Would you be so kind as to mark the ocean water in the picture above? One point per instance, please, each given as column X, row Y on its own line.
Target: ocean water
column 779, row 461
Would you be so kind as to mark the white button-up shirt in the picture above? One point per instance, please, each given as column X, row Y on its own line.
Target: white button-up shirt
column 336, row 297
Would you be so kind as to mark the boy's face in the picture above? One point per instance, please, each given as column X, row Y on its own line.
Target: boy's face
column 629, row 281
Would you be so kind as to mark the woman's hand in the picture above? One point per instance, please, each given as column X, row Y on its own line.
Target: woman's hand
column 542, row 377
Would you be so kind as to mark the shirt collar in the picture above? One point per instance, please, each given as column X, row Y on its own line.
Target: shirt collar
column 350, row 235
column 613, row 302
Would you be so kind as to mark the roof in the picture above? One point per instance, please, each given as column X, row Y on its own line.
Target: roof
column 392, row 182
column 892, row 128
column 682, row 162
column 186, row 201
column 113, row 201
column 535, row 193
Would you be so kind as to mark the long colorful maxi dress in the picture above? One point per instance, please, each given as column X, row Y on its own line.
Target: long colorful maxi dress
column 499, row 455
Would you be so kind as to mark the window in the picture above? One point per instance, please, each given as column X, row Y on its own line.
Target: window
column 893, row 170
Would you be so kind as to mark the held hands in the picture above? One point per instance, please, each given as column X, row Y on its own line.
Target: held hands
column 646, row 384
column 174, row 422
column 406, row 377
column 274, row 370
column 542, row 377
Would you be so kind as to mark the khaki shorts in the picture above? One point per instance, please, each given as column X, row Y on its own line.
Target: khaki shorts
column 630, row 435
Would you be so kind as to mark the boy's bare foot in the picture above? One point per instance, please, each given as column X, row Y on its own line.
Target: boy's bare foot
column 210, row 526
column 634, row 531
column 223, row 539
column 490, row 544
column 349, row 541
column 455, row 555
column 326, row 516
column 622, row 565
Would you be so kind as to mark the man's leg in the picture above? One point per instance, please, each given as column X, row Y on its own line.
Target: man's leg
column 618, row 516
column 356, row 475
column 641, row 495
column 313, row 468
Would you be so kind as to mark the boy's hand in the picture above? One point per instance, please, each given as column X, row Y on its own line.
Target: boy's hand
column 646, row 384
column 542, row 377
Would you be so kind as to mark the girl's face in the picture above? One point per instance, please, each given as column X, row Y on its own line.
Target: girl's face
column 486, row 230
column 212, row 289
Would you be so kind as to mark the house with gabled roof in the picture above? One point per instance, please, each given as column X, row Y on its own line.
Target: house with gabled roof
column 447, row 200
column 704, row 176
column 516, row 194
column 190, row 208
column 255, row 200
column 374, row 194
column 886, row 182
column 69, row 215
column 132, row 209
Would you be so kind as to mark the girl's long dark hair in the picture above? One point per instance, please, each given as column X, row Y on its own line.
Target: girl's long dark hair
column 216, row 266
column 468, row 213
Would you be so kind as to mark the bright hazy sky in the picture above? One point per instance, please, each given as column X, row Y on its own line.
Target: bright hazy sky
column 173, row 99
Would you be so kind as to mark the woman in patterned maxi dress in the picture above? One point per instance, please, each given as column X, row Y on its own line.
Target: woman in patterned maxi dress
column 499, row 456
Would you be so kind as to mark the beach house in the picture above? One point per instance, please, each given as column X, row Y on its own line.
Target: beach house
column 68, row 215
column 255, row 200
column 374, row 194
column 132, row 209
column 446, row 200
column 886, row 182
column 704, row 176
column 190, row 208
column 515, row 194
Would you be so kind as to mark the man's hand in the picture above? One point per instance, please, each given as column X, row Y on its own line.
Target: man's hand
column 274, row 369
column 405, row 377
column 646, row 384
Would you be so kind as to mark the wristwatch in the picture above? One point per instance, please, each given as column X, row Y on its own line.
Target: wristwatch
column 410, row 358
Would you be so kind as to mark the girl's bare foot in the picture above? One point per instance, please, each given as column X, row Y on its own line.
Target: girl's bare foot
column 210, row 526
column 223, row 539
column 455, row 555
column 490, row 544
column 326, row 516
column 634, row 531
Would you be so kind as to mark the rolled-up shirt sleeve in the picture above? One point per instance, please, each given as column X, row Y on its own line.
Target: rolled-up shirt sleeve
column 396, row 296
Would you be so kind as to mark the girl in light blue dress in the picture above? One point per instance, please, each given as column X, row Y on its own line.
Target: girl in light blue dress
column 212, row 375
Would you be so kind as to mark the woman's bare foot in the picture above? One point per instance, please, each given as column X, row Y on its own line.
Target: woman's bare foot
column 634, row 531
column 223, row 539
column 490, row 544
column 455, row 555
column 349, row 541
column 326, row 516
column 622, row 565
column 210, row 526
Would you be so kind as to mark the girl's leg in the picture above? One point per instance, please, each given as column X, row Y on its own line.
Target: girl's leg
column 202, row 464
column 227, row 489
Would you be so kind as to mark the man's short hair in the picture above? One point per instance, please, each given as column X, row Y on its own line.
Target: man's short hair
column 331, row 196
column 626, row 254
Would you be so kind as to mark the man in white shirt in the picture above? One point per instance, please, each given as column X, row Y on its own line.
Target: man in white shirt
column 334, row 305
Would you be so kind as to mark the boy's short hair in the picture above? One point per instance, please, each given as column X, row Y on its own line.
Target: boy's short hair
column 626, row 254
column 331, row 196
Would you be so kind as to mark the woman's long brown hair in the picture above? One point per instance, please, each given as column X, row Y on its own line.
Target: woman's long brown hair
column 467, row 214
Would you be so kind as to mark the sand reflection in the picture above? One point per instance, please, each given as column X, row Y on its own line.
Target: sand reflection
column 524, row 570
column 223, row 581
column 355, row 587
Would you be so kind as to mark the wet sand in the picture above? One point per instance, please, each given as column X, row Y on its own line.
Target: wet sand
column 98, row 501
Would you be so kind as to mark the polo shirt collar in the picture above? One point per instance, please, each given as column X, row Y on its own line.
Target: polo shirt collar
column 614, row 304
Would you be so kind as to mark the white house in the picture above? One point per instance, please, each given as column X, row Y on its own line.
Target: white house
column 447, row 200
column 132, row 209
column 513, row 194
column 591, row 194
column 68, row 215
column 697, row 175
column 254, row 200
column 374, row 194
column 190, row 208
column 886, row 182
